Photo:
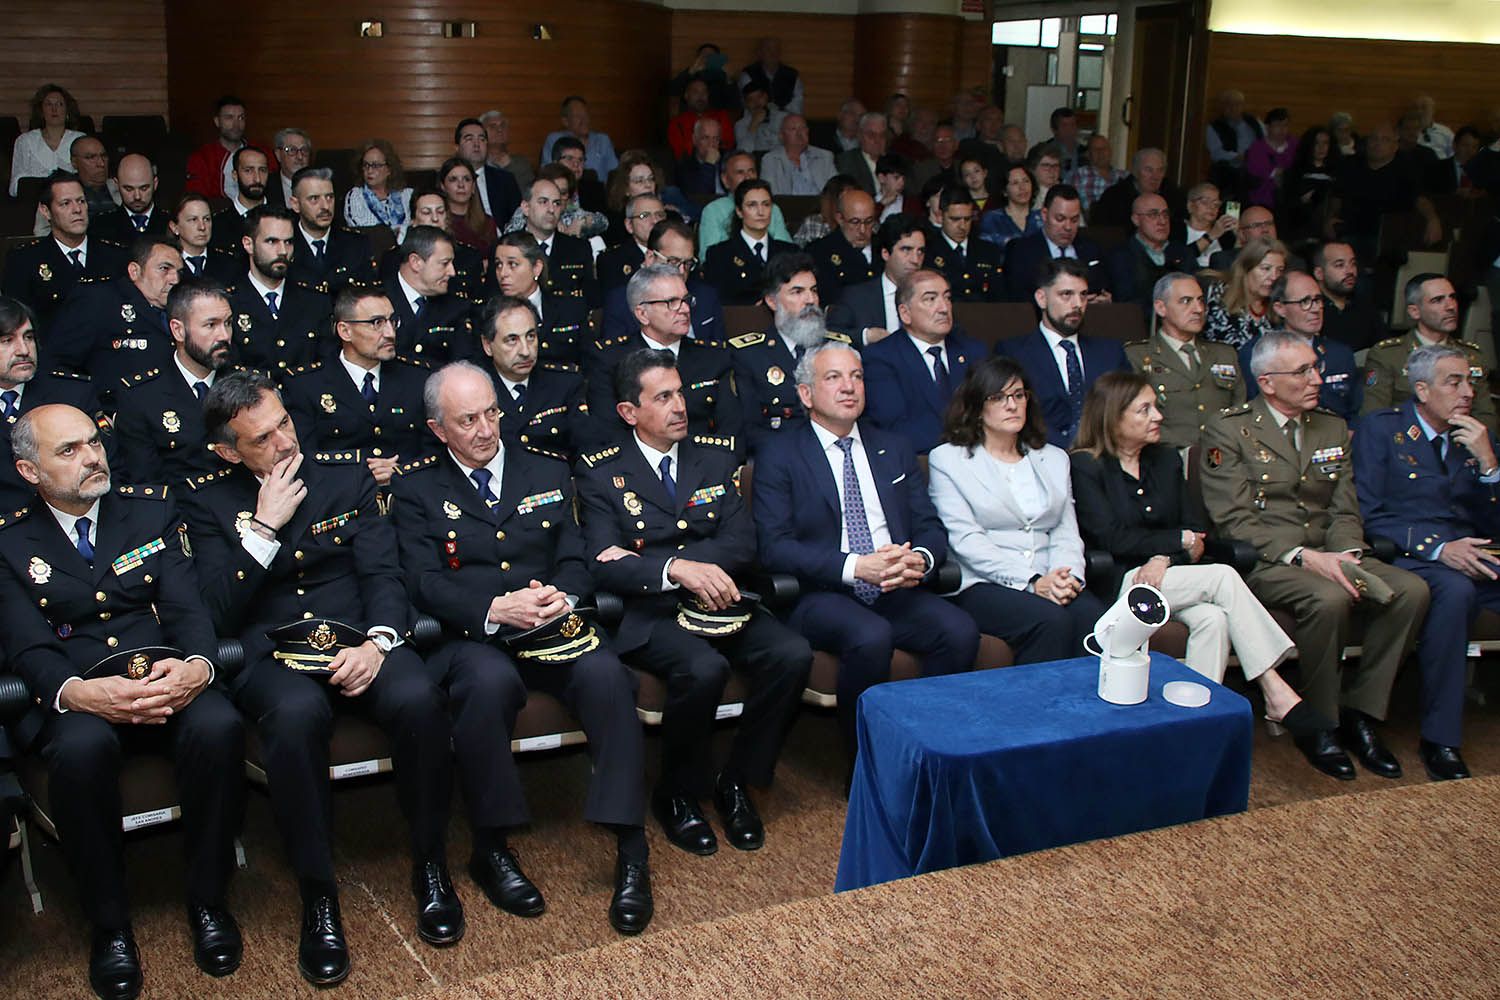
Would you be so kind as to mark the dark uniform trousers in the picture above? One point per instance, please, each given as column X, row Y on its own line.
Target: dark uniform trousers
column 1442, row 644
column 709, row 523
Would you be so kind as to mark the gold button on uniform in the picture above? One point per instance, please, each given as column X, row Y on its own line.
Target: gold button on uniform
column 297, row 554
column 681, row 524
column 99, row 596
column 504, row 565
column 499, row 536
column 111, row 642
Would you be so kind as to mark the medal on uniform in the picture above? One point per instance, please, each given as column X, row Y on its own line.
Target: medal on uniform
column 182, row 539
column 243, row 322
column 937, row 261
column 44, row 272
column 633, row 505
column 1413, row 433
column 127, row 313
column 835, row 259
column 242, row 521
column 38, row 569
column 619, row 482
column 738, row 262
column 775, row 375
column 171, row 421
column 326, row 401
column 451, row 511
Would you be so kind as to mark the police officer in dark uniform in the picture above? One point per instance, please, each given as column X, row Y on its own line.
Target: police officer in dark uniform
column 138, row 215
column 296, row 543
column 328, row 256
column 660, row 300
column 847, row 256
column 278, row 324
column 664, row 525
column 192, row 225
column 671, row 242
column 113, row 329
column 430, row 208
column 105, row 623
column 972, row 266
column 570, row 262
column 159, row 412
column 366, row 397
column 541, row 405
column 435, row 324
column 491, row 547
column 517, row 268
column 43, row 271
column 736, row 266
column 765, row 360
column 615, row 265
column 251, row 171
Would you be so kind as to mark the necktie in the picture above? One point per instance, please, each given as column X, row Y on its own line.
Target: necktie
column 368, row 389
column 856, row 524
column 271, row 305
column 521, row 395
column 940, row 373
column 546, row 248
column 668, row 483
column 797, row 355
column 196, row 263
column 85, row 547
column 318, row 249
column 760, row 252
column 959, row 253
column 482, row 479
column 8, row 400
column 1291, row 435
column 1440, row 448
column 76, row 256
column 140, row 223
column 1190, row 354
column 419, row 306
column 200, row 389
column 1075, row 382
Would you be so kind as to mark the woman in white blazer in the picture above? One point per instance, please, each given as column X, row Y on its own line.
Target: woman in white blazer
column 1006, row 497
column 48, row 146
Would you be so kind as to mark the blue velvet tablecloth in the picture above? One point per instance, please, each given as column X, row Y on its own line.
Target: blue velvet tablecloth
column 970, row 767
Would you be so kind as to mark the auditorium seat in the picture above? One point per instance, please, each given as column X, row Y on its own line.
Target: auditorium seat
column 380, row 239
column 744, row 319
column 123, row 134
column 797, row 207
column 992, row 322
column 1122, row 321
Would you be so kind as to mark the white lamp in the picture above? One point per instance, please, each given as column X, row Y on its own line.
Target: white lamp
column 1122, row 633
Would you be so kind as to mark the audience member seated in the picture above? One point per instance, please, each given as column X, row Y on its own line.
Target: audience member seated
column 1045, row 164
column 91, row 165
column 541, row 405
column 1136, row 264
column 758, row 129
column 47, row 145
column 868, row 311
column 1064, row 125
column 987, row 143
column 860, row 163
column 211, row 170
column 434, row 325
column 382, row 198
column 641, row 212
column 1346, row 141
column 1298, row 306
column 496, row 193
column 42, row 272
column 698, row 172
column 1429, row 480
column 822, row 222
column 967, row 104
column 1256, row 223
column 708, row 65
column 784, row 83
column 1423, row 162
column 1432, row 303
column 572, row 218
column 498, row 152
column 695, row 108
column 1309, row 183
column 1230, row 137
column 251, row 170
column 570, row 262
column 278, row 325
column 736, row 267
column 471, row 227
column 1347, row 319
column 138, row 215
column 516, row 269
column 1276, row 474
column 639, row 174
column 1433, row 134
column 1062, row 217
column 327, row 257
column 586, row 198
column 1239, row 308
column 972, row 267
column 1194, row 378
column 670, row 242
column 974, row 177
column 193, row 226
column 897, row 114
column 1097, row 173
column 714, row 223
column 794, row 167
column 1466, row 145
column 599, row 152
column 843, row 506
column 1269, row 159
column 429, row 207
column 1015, row 216
column 845, row 256
column 943, row 162
column 1148, row 176
column 890, row 186
column 1207, row 229
column 916, row 142
column 912, row 373
column 1132, row 502
column 294, row 151
column 1371, row 186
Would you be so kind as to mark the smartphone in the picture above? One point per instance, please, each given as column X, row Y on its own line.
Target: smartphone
column 1232, row 209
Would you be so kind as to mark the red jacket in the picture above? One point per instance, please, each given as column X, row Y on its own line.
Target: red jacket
column 680, row 131
column 205, row 168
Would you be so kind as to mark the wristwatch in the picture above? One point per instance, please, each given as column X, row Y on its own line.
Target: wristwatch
column 382, row 642
column 1297, row 559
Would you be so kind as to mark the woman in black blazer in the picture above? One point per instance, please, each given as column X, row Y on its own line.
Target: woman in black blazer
column 1132, row 502
column 733, row 267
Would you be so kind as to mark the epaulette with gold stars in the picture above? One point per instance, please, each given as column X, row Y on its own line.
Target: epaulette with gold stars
column 594, row 458
column 1234, row 411
column 73, row 375
column 747, row 340
column 27, row 244
column 139, row 378
column 414, row 362
column 199, row 482
column 336, row 457
column 609, row 342
column 566, row 367
column 1138, row 343
column 1391, row 341
column 142, row 492
column 837, row 337
column 546, row 452
column 714, row 441
column 15, row 518
column 421, row 463
column 1467, row 345
column 302, row 369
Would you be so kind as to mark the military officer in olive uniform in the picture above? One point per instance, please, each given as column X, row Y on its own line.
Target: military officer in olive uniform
column 1194, row 378
column 43, row 271
column 435, row 324
column 1433, row 304
column 516, row 269
column 366, row 398
column 541, row 404
column 278, row 324
column 491, row 547
column 658, row 297
column 159, row 412
column 328, row 256
column 105, row 623
column 664, row 524
column 847, row 255
column 1277, row 473
column 972, row 266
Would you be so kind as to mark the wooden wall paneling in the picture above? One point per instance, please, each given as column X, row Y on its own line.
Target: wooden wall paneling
column 820, row 46
column 976, row 56
column 914, row 54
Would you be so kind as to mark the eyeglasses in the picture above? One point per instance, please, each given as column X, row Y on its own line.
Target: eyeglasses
column 682, row 263
column 1305, row 373
column 295, row 150
column 657, row 215
column 1306, row 303
column 672, row 304
column 374, row 165
column 378, row 322
column 1013, row 398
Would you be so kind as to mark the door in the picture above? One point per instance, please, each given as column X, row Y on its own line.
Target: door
column 1156, row 110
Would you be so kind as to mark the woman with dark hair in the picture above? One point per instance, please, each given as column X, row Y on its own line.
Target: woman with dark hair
column 466, row 219
column 736, row 267
column 1310, row 180
column 1133, row 503
column 382, row 199
column 639, row 174
column 1269, row 158
column 975, row 177
column 48, row 146
column 1006, row 497
column 1015, row 216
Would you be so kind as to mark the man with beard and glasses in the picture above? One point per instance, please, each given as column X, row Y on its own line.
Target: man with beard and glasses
column 139, row 215
column 764, row 360
column 24, row 387
column 159, row 412
column 670, row 242
column 912, row 374
column 278, row 325
column 328, row 257
column 251, row 170
column 106, row 624
column 1347, row 319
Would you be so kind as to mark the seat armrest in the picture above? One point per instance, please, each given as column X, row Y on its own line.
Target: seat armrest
column 1383, row 549
column 15, row 698
column 1234, row 552
column 611, row 607
column 231, row 656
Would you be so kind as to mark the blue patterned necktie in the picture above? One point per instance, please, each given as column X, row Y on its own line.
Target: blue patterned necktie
column 85, row 547
column 940, row 373
column 368, row 389
column 520, row 394
column 482, row 479
column 668, row 483
column 1075, row 382
column 8, row 400
column 856, row 524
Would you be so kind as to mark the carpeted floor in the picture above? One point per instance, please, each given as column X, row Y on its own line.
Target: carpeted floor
column 42, row 958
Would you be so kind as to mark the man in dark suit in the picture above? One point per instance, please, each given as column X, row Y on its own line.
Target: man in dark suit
column 843, row 506
column 491, row 548
column 570, row 262
column 665, row 526
column 518, row 268
column 1061, row 364
column 660, row 300
column 278, row 324
column 1428, row 479
column 435, row 324
column 43, row 271
column 1148, row 175
column 1137, row 264
column 972, row 267
column 615, row 265
column 90, row 574
column 366, row 397
column 297, row 540
column 671, row 242
column 138, row 215
column 912, row 373
column 327, row 257
column 845, row 256
column 867, row 312
column 159, row 411
column 541, row 405
column 860, row 163
column 1062, row 215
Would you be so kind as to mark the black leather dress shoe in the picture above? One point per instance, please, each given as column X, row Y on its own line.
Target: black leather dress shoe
column 114, row 965
column 502, row 880
column 684, row 824
column 322, row 955
column 440, row 915
column 1358, row 733
column 742, row 823
column 217, row 947
column 631, row 906
column 1322, row 750
column 1442, row 763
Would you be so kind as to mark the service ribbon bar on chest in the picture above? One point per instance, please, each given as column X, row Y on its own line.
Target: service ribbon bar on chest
column 335, row 522
column 136, row 556
column 531, row 503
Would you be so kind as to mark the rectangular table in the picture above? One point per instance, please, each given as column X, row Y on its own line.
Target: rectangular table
column 970, row 767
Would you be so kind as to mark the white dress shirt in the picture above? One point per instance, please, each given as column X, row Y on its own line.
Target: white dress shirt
column 675, row 346
column 653, row 460
column 412, row 295
column 888, row 293
column 357, row 374
column 188, row 376
column 923, row 347
column 765, row 245
column 82, row 248
column 1054, row 251
column 32, row 157
column 286, row 189
column 262, row 289
column 535, row 298
column 880, row 532
column 1193, row 236
column 1055, row 342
